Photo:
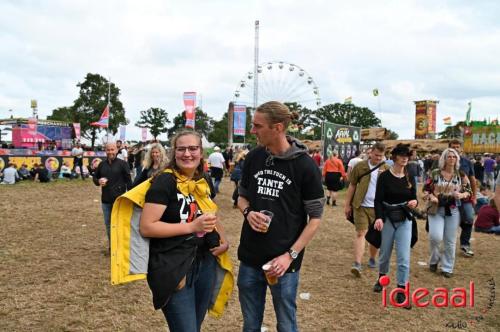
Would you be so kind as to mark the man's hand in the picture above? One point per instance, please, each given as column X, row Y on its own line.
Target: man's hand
column 279, row 265
column 347, row 210
column 257, row 221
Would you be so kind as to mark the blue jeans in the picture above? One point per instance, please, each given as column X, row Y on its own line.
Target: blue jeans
column 252, row 288
column 466, row 221
column 106, row 211
column 186, row 309
column 401, row 235
column 443, row 228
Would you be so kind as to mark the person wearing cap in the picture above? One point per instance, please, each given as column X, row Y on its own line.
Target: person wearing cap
column 216, row 160
column 396, row 194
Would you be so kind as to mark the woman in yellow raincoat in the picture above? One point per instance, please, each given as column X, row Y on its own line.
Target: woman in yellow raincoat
column 180, row 219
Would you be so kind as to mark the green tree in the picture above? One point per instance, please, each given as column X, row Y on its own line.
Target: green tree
column 155, row 119
column 66, row 114
column 92, row 100
column 452, row 131
column 392, row 134
column 202, row 123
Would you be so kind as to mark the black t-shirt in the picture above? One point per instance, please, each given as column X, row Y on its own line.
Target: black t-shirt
column 180, row 209
column 43, row 174
column 280, row 186
column 393, row 190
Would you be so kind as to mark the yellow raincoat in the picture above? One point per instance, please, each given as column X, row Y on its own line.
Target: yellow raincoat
column 130, row 251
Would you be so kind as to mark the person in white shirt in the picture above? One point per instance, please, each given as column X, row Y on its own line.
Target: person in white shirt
column 77, row 154
column 65, row 171
column 353, row 162
column 216, row 161
column 122, row 151
column 10, row 175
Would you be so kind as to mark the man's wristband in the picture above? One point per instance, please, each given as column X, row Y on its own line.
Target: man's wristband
column 246, row 211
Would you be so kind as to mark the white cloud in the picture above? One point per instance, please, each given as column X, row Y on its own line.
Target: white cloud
column 155, row 50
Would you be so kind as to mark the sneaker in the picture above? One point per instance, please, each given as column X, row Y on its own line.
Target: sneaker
column 356, row 269
column 447, row 274
column 334, row 203
column 400, row 298
column 433, row 267
column 467, row 252
column 377, row 288
column 372, row 263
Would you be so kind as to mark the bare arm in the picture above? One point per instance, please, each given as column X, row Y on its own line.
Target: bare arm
column 348, row 199
column 151, row 226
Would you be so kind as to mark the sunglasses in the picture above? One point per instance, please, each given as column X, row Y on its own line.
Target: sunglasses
column 191, row 148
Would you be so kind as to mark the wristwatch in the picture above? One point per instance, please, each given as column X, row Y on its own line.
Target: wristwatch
column 246, row 211
column 293, row 253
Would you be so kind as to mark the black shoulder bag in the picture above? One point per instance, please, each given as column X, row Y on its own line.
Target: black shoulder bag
column 351, row 217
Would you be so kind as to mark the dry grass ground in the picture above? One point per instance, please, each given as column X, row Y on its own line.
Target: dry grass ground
column 54, row 275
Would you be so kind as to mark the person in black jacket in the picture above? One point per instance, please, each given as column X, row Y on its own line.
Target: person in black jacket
column 396, row 191
column 113, row 175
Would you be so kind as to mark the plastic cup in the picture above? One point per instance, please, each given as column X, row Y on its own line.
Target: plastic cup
column 271, row 280
column 269, row 217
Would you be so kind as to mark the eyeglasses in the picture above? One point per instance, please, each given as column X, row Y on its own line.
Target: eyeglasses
column 191, row 148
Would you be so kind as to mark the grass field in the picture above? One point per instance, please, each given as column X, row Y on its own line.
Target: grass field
column 54, row 273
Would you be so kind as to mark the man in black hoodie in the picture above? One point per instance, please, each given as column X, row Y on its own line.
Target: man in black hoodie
column 283, row 179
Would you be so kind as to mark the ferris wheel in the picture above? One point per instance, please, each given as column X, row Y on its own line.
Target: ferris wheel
column 279, row 81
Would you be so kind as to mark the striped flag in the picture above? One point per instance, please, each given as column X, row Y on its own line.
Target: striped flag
column 348, row 100
column 447, row 121
column 104, row 120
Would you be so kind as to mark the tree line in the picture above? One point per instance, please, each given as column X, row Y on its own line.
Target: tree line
column 93, row 98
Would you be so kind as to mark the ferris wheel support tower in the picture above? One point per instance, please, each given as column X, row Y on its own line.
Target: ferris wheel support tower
column 255, row 67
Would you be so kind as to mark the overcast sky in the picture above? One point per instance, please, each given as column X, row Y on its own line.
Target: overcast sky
column 155, row 50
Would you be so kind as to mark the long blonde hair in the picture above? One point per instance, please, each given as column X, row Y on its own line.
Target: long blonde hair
column 148, row 159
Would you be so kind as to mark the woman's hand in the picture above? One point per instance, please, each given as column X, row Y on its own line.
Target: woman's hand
column 204, row 223
column 379, row 224
column 433, row 199
column 412, row 204
column 222, row 248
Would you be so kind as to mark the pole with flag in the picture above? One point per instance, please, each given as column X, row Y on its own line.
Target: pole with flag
column 376, row 94
column 447, row 121
column 467, row 115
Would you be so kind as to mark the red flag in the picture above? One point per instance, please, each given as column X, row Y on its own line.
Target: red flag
column 104, row 120
column 189, row 106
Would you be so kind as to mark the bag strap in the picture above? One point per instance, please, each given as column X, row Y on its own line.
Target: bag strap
column 371, row 170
